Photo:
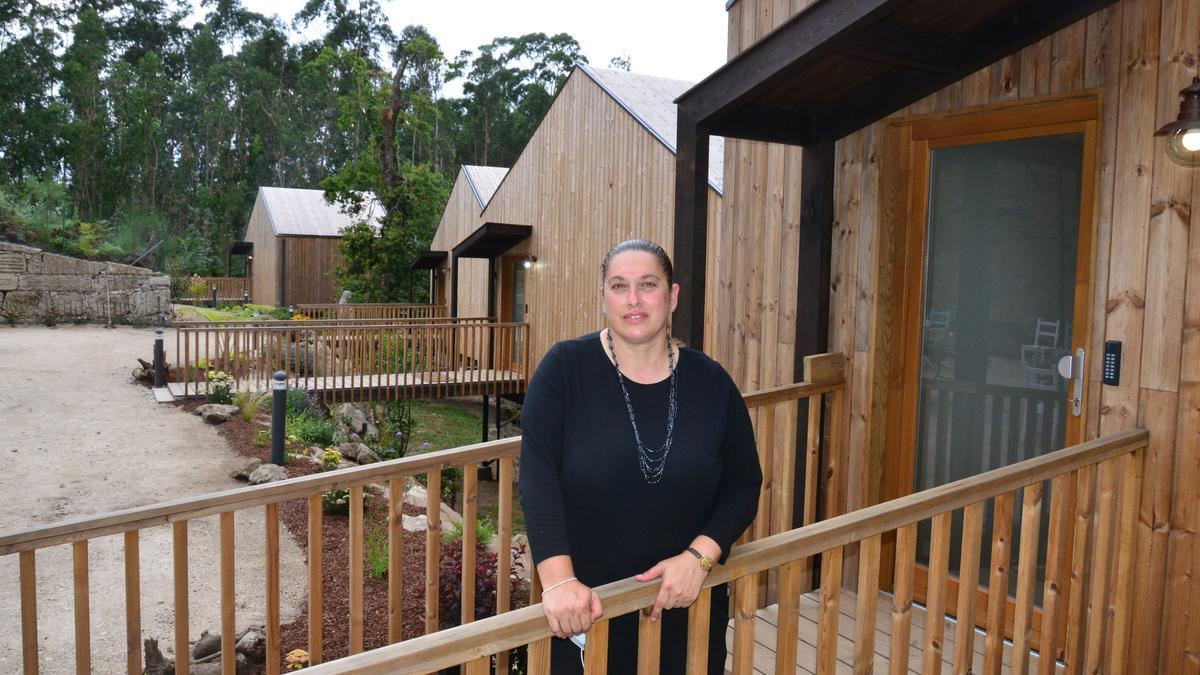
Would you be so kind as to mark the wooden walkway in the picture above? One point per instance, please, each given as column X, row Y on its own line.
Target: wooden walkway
column 806, row 650
column 398, row 385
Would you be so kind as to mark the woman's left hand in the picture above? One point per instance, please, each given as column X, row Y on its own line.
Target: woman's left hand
column 682, row 578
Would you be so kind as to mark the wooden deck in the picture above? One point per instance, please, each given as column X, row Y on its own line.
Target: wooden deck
column 806, row 650
column 405, row 385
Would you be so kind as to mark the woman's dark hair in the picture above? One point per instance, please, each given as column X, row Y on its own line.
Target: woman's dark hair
column 660, row 256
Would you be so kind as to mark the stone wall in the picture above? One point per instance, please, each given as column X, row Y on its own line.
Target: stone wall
column 39, row 287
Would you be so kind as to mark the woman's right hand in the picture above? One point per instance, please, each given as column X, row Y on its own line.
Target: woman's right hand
column 571, row 608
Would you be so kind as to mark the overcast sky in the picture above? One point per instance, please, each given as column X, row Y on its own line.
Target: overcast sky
column 680, row 39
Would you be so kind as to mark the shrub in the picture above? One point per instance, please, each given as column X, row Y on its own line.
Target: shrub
column 395, row 422
column 485, row 532
column 299, row 402
column 197, row 288
column 336, row 502
column 51, row 319
column 262, row 438
column 450, row 598
column 312, row 429
column 220, row 387
column 451, row 483
column 377, row 552
column 249, row 403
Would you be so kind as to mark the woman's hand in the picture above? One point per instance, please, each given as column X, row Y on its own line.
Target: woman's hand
column 682, row 578
column 571, row 608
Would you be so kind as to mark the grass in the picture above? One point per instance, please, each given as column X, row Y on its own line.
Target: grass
column 195, row 313
column 249, row 404
column 443, row 426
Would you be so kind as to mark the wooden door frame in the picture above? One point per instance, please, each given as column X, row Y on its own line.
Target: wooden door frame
column 904, row 186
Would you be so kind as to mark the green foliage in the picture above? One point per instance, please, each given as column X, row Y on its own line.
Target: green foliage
column 377, row 552
column 262, row 438
column 312, row 429
column 394, row 420
column 220, row 387
column 336, row 502
column 451, row 483
column 249, row 404
column 485, row 532
column 299, row 402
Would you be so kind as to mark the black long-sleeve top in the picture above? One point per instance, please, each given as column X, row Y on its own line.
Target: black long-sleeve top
column 581, row 486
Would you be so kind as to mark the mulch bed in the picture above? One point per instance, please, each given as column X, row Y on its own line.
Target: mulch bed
column 335, row 551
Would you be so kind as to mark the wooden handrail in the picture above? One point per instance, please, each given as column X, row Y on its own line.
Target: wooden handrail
column 524, row 626
column 187, row 508
column 241, row 323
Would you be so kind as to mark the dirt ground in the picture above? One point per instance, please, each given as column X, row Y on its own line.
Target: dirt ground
column 77, row 438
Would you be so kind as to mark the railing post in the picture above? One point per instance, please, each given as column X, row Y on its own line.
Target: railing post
column 278, row 416
column 160, row 378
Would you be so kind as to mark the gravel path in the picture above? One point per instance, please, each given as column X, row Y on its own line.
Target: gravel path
column 77, row 437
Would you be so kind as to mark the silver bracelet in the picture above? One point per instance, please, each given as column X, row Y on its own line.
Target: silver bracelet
column 547, row 590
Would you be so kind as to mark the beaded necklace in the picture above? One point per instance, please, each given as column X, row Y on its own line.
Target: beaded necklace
column 652, row 462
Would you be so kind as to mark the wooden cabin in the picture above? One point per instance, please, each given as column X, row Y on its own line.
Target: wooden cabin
column 473, row 187
column 955, row 196
column 292, row 240
column 597, row 170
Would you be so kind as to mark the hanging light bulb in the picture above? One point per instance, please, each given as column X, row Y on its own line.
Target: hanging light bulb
column 1183, row 135
column 529, row 260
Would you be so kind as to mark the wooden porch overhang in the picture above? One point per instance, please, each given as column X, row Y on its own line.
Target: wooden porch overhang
column 428, row 260
column 830, row 70
column 491, row 240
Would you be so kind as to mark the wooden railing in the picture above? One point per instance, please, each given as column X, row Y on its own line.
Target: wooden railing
column 824, row 379
column 347, row 360
column 373, row 310
column 1089, row 581
column 229, row 289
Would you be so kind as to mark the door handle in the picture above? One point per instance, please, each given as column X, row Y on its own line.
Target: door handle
column 1071, row 368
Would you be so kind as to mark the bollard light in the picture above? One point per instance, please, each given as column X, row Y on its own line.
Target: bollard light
column 278, row 417
column 160, row 378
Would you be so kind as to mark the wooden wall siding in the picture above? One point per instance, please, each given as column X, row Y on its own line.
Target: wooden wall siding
column 309, row 263
column 265, row 266
column 461, row 218
column 590, row 177
column 1146, row 275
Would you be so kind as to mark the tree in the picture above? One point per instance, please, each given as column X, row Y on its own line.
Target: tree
column 509, row 86
column 29, row 117
column 85, row 136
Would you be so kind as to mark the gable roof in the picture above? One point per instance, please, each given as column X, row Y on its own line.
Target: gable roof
column 305, row 213
column 483, row 181
column 651, row 101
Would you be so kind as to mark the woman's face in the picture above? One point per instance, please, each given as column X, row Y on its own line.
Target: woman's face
column 637, row 298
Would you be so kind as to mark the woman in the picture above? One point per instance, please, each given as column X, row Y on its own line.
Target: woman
column 637, row 458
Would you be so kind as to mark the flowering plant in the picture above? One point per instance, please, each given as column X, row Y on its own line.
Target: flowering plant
column 220, row 387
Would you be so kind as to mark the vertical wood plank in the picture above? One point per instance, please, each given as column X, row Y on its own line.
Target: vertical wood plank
column 504, row 534
column 699, row 615
column 315, row 580
column 179, row 555
column 83, row 621
column 1085, row 481
column 272, row 564
column 1027, row 559
column 827, row 626
column 395, row 559
column 1121, row 604
column 356, row 569
column 745, row 606
column 868, row 601
column 133, row 603
column 993, row 645
column 787, row 631
column 968, row 581
column 935, row 621
column 650, row 641
column 433, row 545
column 1101, row 557
column 1061, row 489
column 29, row 628
column 228, row 626
column 812, row 476
column 902, row 598
column 479, row 666
column 595, row 657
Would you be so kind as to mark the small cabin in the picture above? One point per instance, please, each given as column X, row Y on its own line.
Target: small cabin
column 291, row 243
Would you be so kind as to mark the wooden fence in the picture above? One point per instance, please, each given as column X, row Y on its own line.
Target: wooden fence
column 346, row 360
column 1093, row 496
column 178, row 513
column 373, row 310
column 229, row 290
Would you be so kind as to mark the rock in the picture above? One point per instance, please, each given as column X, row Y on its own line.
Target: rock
column 358, row 452
column 415, row 496
column 415, row 523
column 207, row 645
column 243, row 472
column 216, row 413
column 208, row 668
column 356, row 419
column 268, row 473
column 306, row 360
column 156, row 663
column 253, row 644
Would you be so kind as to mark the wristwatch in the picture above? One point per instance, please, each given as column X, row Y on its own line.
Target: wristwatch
column 706, row 563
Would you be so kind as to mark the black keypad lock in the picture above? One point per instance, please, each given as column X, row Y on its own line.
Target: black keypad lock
column 1112, row 362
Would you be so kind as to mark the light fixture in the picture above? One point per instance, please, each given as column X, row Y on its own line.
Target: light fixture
column 1183, row 135
column 529, row 260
